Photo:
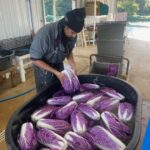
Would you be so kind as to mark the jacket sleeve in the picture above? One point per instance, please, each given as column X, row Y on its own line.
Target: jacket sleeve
column 39, row 47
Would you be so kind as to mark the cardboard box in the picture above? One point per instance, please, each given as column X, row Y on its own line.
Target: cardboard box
column 89, row 7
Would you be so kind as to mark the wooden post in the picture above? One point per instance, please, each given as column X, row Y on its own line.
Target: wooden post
column 94, row 22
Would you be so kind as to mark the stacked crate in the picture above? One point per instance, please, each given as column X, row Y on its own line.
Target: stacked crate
column 14, row 43
column 19, row 45
column 110, row 40
column 89, row 6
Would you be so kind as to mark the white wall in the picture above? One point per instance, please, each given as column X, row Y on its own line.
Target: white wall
column 15, row 20
column 37, row 10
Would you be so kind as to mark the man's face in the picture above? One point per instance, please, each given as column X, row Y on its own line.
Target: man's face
column 69, row 32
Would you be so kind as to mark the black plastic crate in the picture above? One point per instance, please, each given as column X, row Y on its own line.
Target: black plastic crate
column 22, row 50
column 107, row 59
column 110, row 47
column 111, row 30
column 6, row 59
column 16, row 42
column 103, row 68
column 23, row 114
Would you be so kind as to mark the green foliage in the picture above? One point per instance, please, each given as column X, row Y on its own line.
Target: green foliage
column 48, row 10
column 141, row 4
column 137, row 18
column 128, row 6
column 138, row 10
column 62, row 6
column 147, row 9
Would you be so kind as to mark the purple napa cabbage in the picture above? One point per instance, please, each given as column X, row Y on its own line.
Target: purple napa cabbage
column 67, row 82
column 89, row 86
column 112, row 93
column 59, row 93
column 82, row 97
column 61, row 100
column 43, row 112
column 115, row 126
column 27, row 139
column 71, row 83
column 125, row 111
column 108, row 104
column 69, row 148
column 78, row 122
column 77, row 142
column 75, row 80
column 51, row 149
column 65, row 111
column 52, row 140
column 89, row 138
column 58, row 126
column 112, row 69
column 103, row 139
column 91, row 123
column 94, row 100
column 89, row 111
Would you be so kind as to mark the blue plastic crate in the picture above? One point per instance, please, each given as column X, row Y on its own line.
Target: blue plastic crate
column 146, row 141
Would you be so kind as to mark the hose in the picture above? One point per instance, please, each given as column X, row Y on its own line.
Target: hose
column 23, row 93
column 15, row 96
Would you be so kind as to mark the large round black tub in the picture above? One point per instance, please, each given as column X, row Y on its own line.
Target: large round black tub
column 23, row 114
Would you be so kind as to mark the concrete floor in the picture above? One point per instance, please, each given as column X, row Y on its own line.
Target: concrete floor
column 138, row 53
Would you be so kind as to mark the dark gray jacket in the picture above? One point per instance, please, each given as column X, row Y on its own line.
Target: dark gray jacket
column 51, row 46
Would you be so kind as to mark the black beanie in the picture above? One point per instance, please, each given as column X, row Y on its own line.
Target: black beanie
column 75, row 19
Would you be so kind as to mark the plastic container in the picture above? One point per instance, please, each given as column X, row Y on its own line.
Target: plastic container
column 110, row 47
column 111, row 30
column 104, row 68
column 17, row 42
column 99, row 65
column 6, row 57
column 23, row 114
column 22, row 50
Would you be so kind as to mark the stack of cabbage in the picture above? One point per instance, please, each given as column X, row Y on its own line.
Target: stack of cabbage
column 81, row 117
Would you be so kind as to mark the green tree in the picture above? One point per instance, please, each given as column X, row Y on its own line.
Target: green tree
column 129, row 6
column 141, row 4
column 48, row 7
column 62, row 6
column 48, row 4
column 147, row 9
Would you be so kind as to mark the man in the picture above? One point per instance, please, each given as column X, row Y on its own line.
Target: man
column 52, row 44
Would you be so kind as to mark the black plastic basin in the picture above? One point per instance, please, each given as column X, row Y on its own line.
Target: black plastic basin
column 23, row 114
column 6, row 57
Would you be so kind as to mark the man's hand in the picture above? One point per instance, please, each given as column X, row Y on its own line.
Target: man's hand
column 47, row 67
column 61, row 77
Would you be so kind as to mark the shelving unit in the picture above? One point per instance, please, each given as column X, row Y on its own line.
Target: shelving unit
column 21, row 63
column 93, row 16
